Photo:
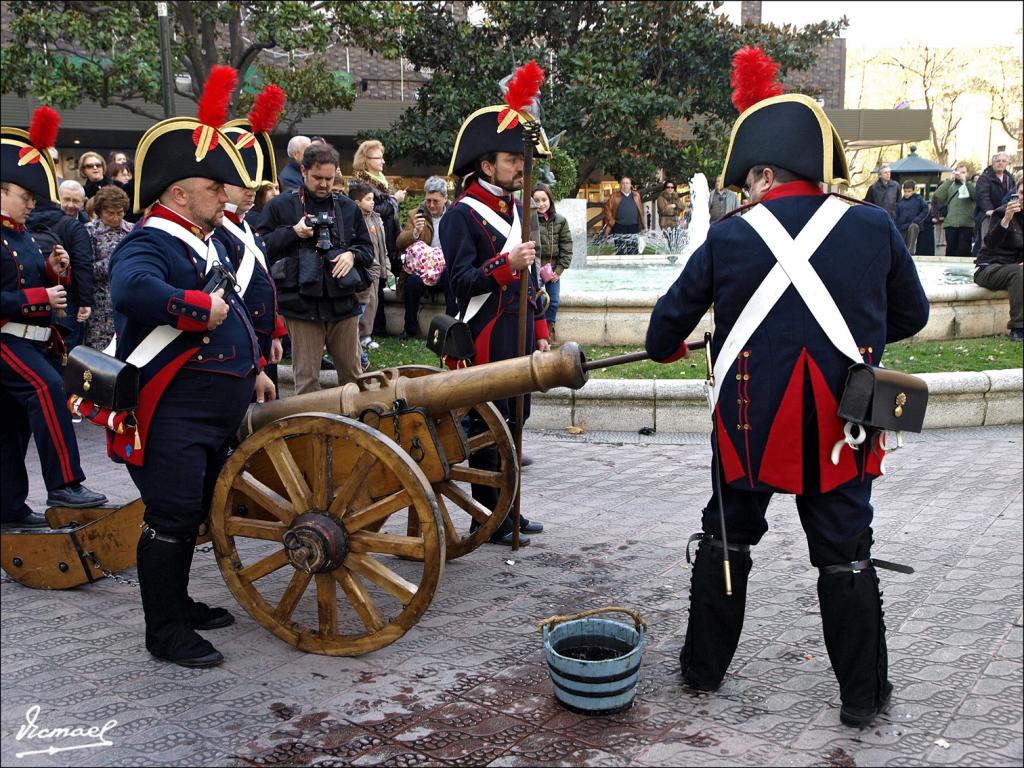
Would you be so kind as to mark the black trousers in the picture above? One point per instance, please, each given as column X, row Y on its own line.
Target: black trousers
column 188, row 442
column 415, row 290
column 490, row 459
column 32, row 404
column 380, row 321
column 839, row 515
column 626, row 238
column 958, row 241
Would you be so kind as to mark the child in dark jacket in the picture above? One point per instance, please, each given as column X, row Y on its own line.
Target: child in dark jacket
column 911, row 214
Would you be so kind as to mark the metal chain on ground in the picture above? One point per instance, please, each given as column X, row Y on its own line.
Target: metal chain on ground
column 110, row 574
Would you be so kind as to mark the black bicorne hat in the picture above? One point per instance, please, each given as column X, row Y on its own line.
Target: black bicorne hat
column 258, row 162
column 789, row 131
column 185, row 147
column 499, row 128
column 25, row 158
column 252, row 135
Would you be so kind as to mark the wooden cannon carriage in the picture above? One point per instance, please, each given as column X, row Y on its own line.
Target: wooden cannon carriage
column 333, row 518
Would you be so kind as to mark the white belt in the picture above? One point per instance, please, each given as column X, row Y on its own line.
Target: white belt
column 792, row 268
column 513, row 234
column 23, row 331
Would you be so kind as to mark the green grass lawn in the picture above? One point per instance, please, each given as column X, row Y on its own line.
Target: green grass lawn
column 909, row 357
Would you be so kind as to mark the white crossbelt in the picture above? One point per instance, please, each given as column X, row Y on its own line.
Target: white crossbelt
column 251, row 255
column 23, row 331
column 156, row 341
column 513, row 234
column 793, row 268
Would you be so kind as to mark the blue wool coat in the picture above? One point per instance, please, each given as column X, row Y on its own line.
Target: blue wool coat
column 155, row 279
column 476, row 265
column 762, row 412
column 260, row 296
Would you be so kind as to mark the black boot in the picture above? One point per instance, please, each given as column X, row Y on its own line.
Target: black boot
column 169, row 634
column 716, row 620
column 200, row 615
column 852, row 621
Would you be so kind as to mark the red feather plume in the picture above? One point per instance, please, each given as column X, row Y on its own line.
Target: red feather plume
column 753, row 77
column 266, row 109
column 43, row 130
column 213, row 104
column 524, row 86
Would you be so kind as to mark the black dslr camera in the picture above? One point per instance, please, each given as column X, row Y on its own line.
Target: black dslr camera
column 322, row 222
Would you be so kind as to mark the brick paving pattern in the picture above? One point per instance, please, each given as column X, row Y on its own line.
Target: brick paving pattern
column 468, row 684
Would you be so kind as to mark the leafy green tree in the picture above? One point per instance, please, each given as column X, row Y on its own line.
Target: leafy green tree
column 620, row 74
column 108, row 52
column 563, row 168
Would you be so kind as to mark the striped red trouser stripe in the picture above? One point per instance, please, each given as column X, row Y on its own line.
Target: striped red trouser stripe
column 49, row 413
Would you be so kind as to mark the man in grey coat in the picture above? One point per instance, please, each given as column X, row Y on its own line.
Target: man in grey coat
column 885, row 192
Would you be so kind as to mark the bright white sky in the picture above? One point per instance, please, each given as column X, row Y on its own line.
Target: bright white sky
column 942, row 24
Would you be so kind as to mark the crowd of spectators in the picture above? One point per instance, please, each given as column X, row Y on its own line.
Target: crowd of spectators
column 96, row 210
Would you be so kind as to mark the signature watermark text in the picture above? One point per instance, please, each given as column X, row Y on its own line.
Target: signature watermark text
column 30, row 732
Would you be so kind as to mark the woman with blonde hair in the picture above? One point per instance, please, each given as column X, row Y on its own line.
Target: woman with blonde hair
column 368, row 168
column 93, row 169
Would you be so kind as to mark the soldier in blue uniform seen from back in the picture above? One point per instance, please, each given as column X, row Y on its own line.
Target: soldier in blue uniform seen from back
column 780, row 362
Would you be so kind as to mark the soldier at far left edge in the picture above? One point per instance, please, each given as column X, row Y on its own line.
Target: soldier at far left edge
column 32, row 397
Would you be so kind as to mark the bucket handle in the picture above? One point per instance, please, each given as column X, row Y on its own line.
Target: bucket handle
column 551, row 622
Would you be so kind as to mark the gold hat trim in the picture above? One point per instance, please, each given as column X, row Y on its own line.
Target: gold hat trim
column 243, row 132
column 542, row 147
column 18, row 138
column 831, row 142
column 268, row 165
column 176, row 124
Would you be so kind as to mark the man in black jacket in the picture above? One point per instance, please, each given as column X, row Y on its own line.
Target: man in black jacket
column 317, row 302
column 993, row 186
column 50, row 224
column 885, row 192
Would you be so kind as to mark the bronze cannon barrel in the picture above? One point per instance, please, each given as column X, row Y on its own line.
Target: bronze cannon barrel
column 436, row 393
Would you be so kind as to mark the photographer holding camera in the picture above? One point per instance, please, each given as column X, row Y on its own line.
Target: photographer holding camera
column 318, row 249
column 958, row 195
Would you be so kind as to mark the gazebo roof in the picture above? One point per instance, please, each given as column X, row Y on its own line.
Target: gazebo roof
column 913, row 163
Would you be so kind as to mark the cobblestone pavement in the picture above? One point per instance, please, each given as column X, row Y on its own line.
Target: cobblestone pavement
column 468, row 684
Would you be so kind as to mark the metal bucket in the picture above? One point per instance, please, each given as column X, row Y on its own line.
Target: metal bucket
column 594, row 663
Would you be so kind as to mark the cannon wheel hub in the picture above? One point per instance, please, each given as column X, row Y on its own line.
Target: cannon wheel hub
column 316, row 543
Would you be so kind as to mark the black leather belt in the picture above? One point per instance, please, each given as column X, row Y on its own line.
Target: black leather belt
column 711, row 540
column 863, row 565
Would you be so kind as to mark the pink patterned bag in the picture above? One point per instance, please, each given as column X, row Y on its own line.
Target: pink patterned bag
column 423, row 261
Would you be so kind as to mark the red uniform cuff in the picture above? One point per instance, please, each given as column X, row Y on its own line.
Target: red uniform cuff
column 54, row 278
column 279, row 330
column 37, row 302
column 540, row 329
column 191, row 312
column 679, row 354
column 499, row 269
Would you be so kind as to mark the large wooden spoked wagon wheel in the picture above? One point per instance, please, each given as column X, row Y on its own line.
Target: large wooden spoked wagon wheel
column 300, row 503
column 454, row 498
